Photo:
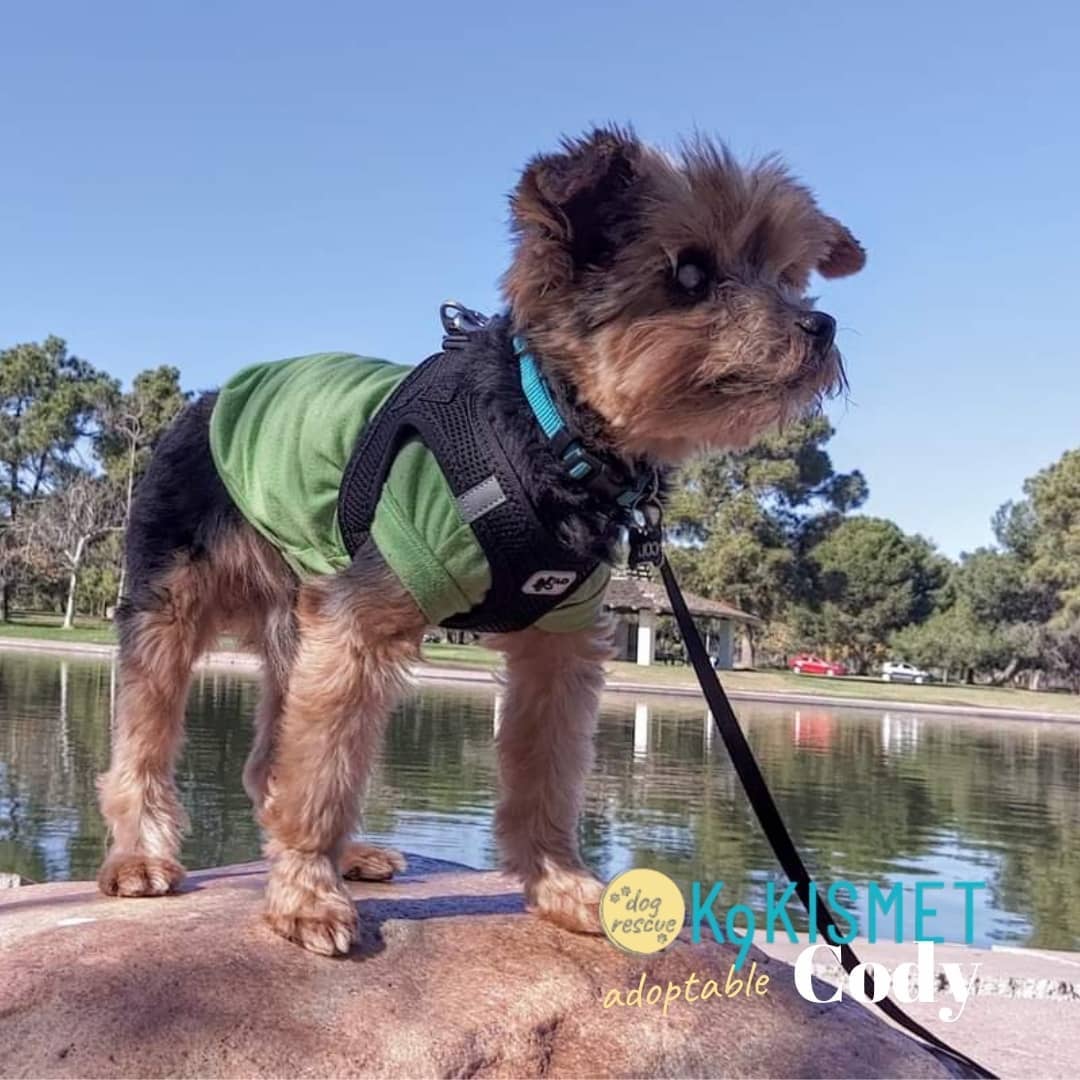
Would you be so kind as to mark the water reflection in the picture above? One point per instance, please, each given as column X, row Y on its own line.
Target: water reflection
column 867, row 795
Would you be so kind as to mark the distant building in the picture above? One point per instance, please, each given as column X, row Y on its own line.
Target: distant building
column 637, row 602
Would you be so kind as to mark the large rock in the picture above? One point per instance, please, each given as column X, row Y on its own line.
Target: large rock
column 451, row 979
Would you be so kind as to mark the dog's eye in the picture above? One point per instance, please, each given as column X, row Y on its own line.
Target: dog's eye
column 691, row 276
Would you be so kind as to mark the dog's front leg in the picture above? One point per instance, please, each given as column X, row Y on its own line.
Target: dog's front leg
column 358, row 634
column 545, row 752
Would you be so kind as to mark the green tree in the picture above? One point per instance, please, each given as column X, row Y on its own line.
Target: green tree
column 1051, row 648
column 995, row 603
column 955, row 642
column 1060, row 650
column 1054, row 502
column 1014, row 528
column 98, row 580
column 874, row 579
column 997, row 588
column 1033, row 591
column 741, row 520
column 49, row 402
column 133, row 423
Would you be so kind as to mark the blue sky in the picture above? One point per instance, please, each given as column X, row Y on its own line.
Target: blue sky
column 212, row 184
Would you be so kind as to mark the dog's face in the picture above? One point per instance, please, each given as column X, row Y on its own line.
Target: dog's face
column 670, row 294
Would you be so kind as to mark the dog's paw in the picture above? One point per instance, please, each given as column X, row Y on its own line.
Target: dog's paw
column 127, row 873
column 568, row 898
column 326, row 929
column 306, row 904
column 362, row 862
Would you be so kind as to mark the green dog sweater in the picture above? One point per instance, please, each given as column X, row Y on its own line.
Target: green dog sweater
column 281, row 435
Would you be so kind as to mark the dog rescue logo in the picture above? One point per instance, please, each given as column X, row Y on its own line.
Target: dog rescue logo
column 642, row 911
column 549, row 582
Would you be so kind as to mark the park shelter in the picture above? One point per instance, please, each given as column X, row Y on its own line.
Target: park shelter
column 637, row 602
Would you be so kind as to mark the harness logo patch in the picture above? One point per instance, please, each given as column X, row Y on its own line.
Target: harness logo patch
column 549, row 582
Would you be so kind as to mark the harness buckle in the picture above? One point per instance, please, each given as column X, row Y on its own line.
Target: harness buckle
column 458, row 322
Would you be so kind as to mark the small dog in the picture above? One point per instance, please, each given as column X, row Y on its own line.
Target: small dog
column 664, row 299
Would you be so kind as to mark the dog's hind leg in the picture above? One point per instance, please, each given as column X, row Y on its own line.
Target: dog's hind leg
column 192, row 566
column 159, row 642
column 365, row 862
column 277, row 645
column 358, row 634
column 267, row 722
column 357, row 861
column 544, row 748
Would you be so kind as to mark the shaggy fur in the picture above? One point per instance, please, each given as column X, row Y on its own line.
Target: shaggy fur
column 664, row 298
column 603, row 229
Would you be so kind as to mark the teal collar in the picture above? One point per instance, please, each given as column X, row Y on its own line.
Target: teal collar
column 538, row 395
column 581, row 465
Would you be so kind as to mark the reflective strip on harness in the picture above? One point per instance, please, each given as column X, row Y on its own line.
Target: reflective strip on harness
column 481, row 499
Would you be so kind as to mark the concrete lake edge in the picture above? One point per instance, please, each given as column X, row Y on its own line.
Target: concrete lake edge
column 427, row 672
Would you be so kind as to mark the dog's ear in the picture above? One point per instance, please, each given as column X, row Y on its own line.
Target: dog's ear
column 581, row 196
column 845, row 254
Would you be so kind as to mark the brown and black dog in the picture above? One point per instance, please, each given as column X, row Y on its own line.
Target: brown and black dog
column 665, row 299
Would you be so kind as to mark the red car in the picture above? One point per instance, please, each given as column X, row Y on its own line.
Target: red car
column 809, row 664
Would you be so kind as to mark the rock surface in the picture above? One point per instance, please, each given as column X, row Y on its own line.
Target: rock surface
column 450, row 979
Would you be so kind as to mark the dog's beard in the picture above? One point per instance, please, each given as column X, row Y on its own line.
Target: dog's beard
column 666, row 391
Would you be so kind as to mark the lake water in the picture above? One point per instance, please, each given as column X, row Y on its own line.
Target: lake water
column 868, row 795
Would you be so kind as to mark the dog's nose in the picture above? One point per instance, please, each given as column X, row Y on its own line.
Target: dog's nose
column 821, row 327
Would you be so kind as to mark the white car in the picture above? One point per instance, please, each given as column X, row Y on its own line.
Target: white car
column 902, row 672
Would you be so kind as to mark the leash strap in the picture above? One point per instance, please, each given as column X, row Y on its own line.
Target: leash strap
column 753, row 782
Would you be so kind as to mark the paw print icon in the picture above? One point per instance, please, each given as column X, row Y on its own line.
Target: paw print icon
column 639, row 910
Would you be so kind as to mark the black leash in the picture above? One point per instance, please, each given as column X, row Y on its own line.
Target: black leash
column 639, row 509
column 753, row 782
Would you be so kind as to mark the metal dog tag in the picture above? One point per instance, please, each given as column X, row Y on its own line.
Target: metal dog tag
column 646, row 536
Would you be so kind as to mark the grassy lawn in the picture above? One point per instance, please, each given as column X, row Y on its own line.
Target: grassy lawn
column 856, row 687
column 47, row 627
column 472, row 656
column 853, row 687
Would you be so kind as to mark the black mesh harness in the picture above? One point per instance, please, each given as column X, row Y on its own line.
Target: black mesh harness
column 438, row 402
